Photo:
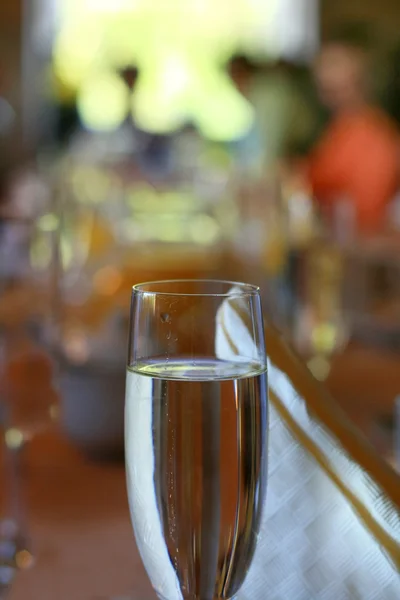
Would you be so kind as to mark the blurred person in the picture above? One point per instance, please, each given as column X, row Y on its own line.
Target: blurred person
column 354, row 167
column 391, row 102
column 286, row 113
column 9, row 139
column 288, row 110
column 391, row 95
column 247, row 150
column 241, row 71
column 150, row 152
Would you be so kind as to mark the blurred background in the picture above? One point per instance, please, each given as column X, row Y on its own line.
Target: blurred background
column 254, row 140
column 248, row 140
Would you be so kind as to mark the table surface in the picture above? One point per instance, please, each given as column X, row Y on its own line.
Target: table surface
column 80, row 528
column 79, row 516
column 365, row 382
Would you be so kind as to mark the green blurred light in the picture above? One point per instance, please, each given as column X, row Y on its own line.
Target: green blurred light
column 14, row 438
column 204, row 230
column 41, row 254
column 66, row 252
column 103, row 102
column 48, row 223
column 179, row 47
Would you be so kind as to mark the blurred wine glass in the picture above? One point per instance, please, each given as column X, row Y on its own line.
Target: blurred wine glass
column 322, row 328
column 28, row 397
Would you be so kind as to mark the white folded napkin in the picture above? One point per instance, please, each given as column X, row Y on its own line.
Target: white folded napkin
column 234, row 339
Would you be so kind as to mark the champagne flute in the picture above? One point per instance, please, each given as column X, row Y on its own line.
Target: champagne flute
column 196, row 434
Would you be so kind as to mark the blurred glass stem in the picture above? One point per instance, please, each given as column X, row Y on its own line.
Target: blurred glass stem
column 15, row 550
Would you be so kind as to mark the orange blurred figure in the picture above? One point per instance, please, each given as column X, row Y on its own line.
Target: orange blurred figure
column 357, row 159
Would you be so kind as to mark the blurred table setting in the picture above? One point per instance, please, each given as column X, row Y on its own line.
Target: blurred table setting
column 347, row 327
column 334, row 292
column 97, row 228
column 332, row 508
column 239, row 141
column 80, row 527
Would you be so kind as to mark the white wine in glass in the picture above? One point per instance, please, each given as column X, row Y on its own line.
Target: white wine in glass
column 196, row 434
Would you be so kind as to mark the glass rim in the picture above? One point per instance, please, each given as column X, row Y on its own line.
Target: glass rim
column 243, row 289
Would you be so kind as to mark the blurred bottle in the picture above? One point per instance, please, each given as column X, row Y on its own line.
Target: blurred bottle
column 321, row 324
column 344, row 226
